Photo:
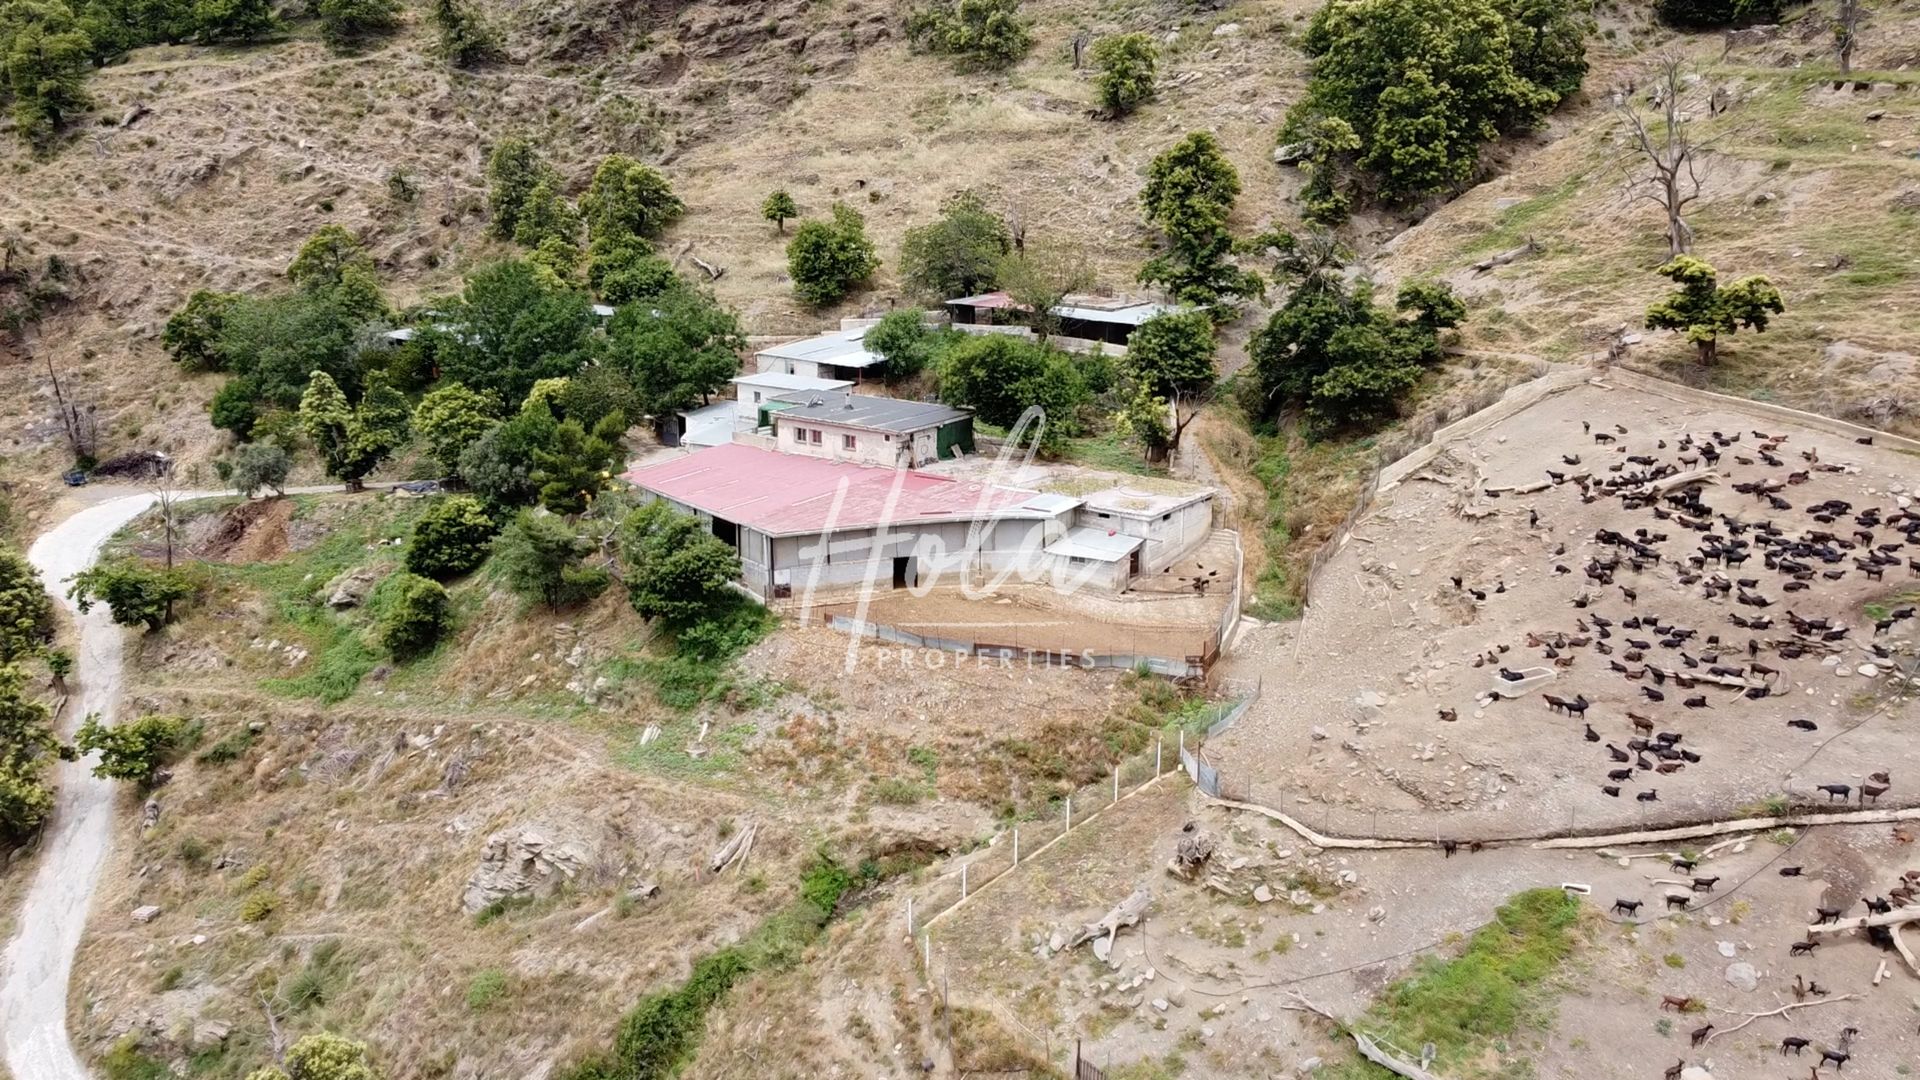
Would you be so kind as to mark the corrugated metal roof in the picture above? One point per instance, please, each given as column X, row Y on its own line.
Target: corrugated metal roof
column 780, row 380
column 1097, row 544
column 790, row 494
column 840, row 348
column 868, row 412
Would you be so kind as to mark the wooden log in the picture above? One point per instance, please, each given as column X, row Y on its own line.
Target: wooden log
column 1505, row 257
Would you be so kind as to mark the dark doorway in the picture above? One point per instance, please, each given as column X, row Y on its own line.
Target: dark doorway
column 727, row 531
column 900, row 564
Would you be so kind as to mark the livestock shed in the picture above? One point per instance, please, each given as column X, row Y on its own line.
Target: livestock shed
column 805, row 524
column 1091, row 318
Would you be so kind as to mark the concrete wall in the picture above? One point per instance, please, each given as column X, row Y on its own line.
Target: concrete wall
column 1168, row 536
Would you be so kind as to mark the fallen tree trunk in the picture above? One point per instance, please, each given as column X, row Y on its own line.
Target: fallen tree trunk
column 1505, row 257
column 1127, row 912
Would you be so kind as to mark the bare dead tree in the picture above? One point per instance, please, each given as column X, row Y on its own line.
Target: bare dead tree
column 1846, row 34
column 1665, row 145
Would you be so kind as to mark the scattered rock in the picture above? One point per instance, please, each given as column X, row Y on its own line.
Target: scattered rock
column 1742, row 977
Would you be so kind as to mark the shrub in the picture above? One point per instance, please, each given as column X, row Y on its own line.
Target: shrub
column 981, row 35
column 134, row 751
column 828, row 259
column 1126, row 63
column 451, row 538
column 413, row 616
column 540, row 557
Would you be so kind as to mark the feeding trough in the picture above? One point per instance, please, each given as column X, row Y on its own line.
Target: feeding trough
column 1531, row 678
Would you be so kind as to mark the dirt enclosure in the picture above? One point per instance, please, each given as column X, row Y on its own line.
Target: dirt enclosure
column 1382, row 724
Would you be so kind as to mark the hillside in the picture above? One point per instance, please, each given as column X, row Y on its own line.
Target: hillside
column 314, row 854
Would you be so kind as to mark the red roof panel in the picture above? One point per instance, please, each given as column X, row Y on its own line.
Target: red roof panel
column 791, row 494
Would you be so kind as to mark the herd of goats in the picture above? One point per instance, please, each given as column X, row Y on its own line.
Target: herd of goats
column 1665, row 657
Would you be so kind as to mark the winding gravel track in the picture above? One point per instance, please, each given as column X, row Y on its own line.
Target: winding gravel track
column 39, row 960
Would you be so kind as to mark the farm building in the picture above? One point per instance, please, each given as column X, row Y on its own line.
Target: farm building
column 1090, row 318
column 805, row 524
column 836, row 355
column 868, row 430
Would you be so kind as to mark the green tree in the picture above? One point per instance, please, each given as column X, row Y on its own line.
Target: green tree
column 1713, row 14
column 137, row 595
column 450, row 418
column 676, row 350
column 192, row 335
column 346, row 25
column 47, row 57
column 577, row 465
column 26, row 743
column 26, row 611
column 233, row 20
column 414, row 614
column 627, row 198
column 515, row 327
column 1703, row 309
column 545, row 215
column 540, row 558
column 1345, row 360
column 829, row 259
column 257, row 465
column 999, row 377
column 981, row 35
column 1409, row 90
column 1126, row 63
column 1189, row 195
column 514, row 169
column 451, row 538
column 466, row 39
column 779, row 209
column 905, row 341
column 353, row 440
column 136, row 750
column 1172, row 355
column 677, row 570
column 958, row 255
column 499, row 466
column 625, row 269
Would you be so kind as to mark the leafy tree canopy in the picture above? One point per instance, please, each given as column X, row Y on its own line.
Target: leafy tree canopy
column 1126, row 64
column 957, row 255
column 1703, row 309
column 829, row 259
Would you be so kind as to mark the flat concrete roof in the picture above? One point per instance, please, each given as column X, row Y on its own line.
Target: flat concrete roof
column 1132, row 502
column 868, row 411
column 1099, row 545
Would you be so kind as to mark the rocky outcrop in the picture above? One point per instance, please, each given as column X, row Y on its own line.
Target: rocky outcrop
column 526, row 861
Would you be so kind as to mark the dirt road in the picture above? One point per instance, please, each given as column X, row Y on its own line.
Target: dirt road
column 38, row 961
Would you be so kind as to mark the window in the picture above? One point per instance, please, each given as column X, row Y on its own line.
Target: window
column 814, row 436
column 847, row 442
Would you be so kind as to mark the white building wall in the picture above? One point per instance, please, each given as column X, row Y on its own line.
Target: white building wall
column 869, row 447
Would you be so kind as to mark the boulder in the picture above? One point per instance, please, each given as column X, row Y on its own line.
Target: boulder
column 351, row 588
column 526, row 861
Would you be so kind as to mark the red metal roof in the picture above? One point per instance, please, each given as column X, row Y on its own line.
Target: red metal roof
column 792, row 494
